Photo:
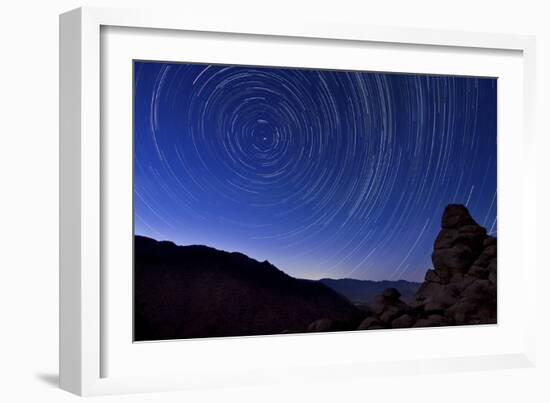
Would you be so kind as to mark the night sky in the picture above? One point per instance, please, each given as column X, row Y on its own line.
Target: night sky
column 323, row 173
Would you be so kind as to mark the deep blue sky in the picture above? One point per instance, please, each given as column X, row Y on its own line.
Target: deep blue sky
column 323, row 173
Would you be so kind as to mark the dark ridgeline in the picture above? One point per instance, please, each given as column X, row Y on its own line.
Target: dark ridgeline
column 197, row 291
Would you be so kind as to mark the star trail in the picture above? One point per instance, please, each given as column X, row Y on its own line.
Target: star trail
column 323, row 173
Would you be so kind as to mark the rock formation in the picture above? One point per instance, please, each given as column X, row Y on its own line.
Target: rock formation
column 461, row 288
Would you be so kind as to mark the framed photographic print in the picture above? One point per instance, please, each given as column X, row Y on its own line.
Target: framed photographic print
column 283, row 200
column 237, row 198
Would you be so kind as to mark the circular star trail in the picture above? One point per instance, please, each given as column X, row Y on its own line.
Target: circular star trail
column 323, row 173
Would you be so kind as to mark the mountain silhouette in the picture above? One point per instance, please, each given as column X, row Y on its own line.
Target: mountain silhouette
column 197, row 291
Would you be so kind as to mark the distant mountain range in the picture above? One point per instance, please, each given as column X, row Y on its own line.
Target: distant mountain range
column 363, row 292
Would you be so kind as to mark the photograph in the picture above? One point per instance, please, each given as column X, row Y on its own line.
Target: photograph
column 240, row 201
column 283, row 200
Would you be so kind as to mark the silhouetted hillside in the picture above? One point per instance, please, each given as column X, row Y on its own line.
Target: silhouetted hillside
column 197, row 291
column 363, row 292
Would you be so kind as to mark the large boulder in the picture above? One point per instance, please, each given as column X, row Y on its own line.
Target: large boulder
column 459, row 243
column 370, row 323
column 489, row 240
column 480, row 290
column 393, row 311
column 447, row 294
column 432, row 276
column 321, row 325
column 431, row 321
column 462, row 310
column 478, row 271
column 488, row 254
column 471, row 235
column 455, row 259
column 391, row 294
column 435, row 306
column 402, row 321
column 388, row 306
column 492, row 277
column 456, row 215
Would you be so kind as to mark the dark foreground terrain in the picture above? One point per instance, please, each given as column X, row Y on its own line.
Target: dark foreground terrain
column 197, row 291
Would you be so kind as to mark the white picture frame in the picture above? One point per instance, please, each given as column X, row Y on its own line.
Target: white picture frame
column 84, row 166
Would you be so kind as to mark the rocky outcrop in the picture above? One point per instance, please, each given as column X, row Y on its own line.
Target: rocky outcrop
column 461, row 288
column 321, row 325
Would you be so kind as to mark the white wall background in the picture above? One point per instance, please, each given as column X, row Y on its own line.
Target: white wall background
column 29, row 197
